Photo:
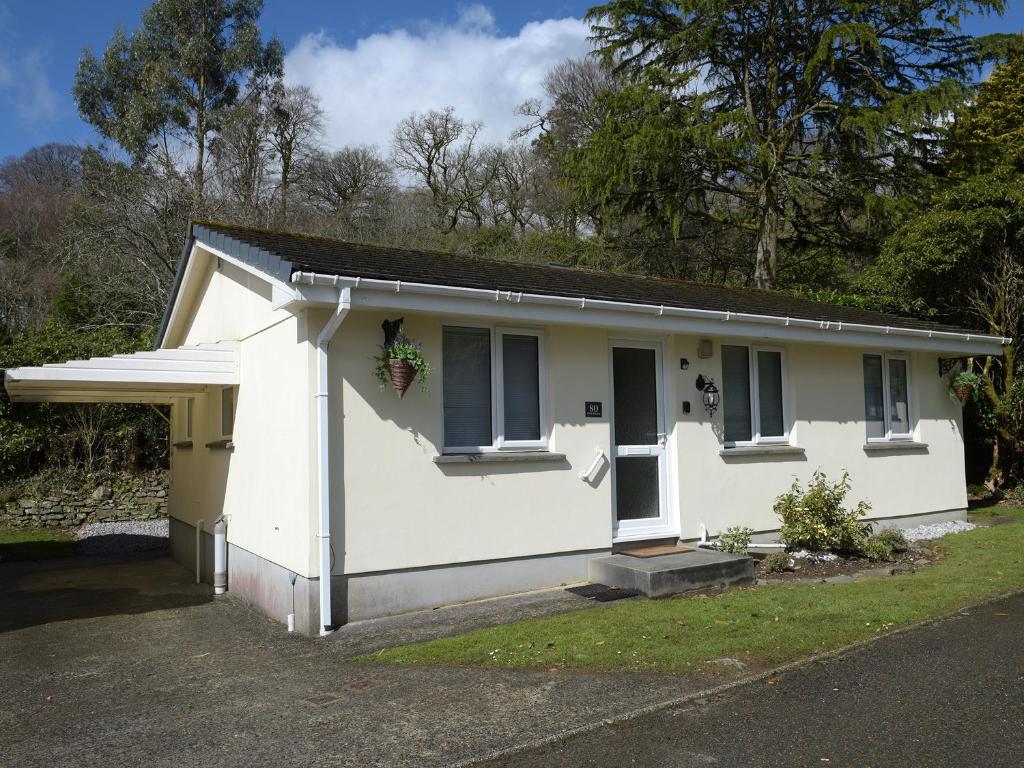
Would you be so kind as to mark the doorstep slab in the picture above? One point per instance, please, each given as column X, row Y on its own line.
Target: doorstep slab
column 671, row 574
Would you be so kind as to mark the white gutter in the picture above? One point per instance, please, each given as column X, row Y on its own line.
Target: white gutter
column 479, row 294
column 323, row 342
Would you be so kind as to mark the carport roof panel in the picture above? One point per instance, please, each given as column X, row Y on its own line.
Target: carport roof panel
column 143, row 377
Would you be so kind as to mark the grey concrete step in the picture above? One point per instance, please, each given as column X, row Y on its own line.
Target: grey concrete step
column 671, row 574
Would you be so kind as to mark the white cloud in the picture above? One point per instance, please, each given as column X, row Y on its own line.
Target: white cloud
column 367, row 88
column 26, row 83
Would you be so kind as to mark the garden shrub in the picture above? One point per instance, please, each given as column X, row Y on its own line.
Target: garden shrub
column 776, row 562
column 894, row 538
column 815, row 519
column 884, row 544
column 735, row 539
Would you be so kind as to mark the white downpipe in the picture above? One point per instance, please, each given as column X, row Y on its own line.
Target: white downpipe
column 220, row 556
column 396, row 286
column 323, row 343
column 199, row 550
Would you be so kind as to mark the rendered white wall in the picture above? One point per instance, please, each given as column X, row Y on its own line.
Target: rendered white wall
column 393, row 507
column 261, row 484
column 826, row 414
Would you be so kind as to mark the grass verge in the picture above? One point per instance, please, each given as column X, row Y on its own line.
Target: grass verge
column 20, row 544
column 764, row 626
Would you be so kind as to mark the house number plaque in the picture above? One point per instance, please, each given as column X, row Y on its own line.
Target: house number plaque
column 593, row 409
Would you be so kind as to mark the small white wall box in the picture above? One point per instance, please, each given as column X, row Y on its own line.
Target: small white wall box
column 704, row 348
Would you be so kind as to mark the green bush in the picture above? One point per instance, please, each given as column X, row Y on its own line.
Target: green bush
column 884, row 545
column 735, row 539
column 815, row 518
column 894, row 538
column 876, row 550
column 776, row 562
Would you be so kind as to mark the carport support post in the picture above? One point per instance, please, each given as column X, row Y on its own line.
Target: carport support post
column 323, row 342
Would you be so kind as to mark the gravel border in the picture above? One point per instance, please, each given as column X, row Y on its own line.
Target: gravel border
column 122, row 536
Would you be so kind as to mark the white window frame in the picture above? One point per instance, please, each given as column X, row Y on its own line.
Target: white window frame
column 498, row 391
column 890, row 436
column 220, row 412
column 755, row 404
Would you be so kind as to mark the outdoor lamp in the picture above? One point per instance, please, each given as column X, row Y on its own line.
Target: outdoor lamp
column 709, row 394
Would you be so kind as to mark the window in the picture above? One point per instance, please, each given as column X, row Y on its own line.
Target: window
column 189, row 410
column 492, row 392
column 753, row 395
column 887, row 397
column 227, row 411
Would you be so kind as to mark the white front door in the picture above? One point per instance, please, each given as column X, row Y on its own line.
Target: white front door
column 638, row 440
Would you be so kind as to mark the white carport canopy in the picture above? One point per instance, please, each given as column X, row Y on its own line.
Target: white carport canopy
column 158, row 377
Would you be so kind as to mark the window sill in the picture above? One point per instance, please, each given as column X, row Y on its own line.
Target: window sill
column 497, row 457
column 182, row 444
column 761, row 450
column 221, row 445
column 886, row 446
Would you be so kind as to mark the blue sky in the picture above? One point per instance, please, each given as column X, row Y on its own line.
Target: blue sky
column 371, row 63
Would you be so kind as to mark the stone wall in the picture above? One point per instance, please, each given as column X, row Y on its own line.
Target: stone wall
column 56, row 502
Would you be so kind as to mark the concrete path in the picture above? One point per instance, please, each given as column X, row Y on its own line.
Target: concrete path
column 130, row 663
column 947, row 694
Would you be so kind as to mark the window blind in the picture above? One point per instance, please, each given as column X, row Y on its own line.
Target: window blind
column 466, row 362
column 521, row 387
column 899, row 403
column 736, row 393
column 769, row 393
column 874, row 407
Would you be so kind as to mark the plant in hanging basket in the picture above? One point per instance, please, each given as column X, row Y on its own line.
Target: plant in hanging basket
column 963, row 386
column 401, row 363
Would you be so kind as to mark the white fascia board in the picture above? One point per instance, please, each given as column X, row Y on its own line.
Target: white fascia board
column 111, row 376
column 512, row 306
column 283, row 294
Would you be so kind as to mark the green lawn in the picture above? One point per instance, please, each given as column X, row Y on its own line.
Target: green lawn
column 764, row 626
column 17, row 544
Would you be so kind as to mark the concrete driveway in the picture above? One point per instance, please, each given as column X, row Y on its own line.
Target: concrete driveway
column 111, row 663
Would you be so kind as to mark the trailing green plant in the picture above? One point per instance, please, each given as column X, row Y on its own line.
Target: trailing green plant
column 402, row 348
column 735, row 539
column 815, row 518
column 775, row 562
column 964, row 379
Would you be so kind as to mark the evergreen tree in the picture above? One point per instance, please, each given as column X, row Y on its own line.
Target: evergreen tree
column 789, row 119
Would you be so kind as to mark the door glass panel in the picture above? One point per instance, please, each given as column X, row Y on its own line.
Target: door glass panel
column 636, row 396
column 637, row 488
column 899, row 408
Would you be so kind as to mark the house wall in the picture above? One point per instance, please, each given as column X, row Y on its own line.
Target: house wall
column 261, row 481
column 825, row 399
column 393, row 507
column 397, row 515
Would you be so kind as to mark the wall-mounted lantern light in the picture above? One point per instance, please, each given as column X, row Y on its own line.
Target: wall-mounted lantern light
column 709, row 394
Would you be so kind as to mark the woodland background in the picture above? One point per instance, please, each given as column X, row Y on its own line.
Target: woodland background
column 865, row 154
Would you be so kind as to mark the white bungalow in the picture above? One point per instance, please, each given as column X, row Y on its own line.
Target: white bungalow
column 569, row 411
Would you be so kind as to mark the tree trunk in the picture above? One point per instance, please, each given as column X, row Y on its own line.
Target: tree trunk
column 767, row 263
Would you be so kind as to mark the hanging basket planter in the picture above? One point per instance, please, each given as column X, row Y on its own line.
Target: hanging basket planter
column 963, row 386
column 400, row 361
column 402, row 374
column 962, row 392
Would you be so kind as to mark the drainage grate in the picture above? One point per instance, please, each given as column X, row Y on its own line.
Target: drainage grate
column 602, row 593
